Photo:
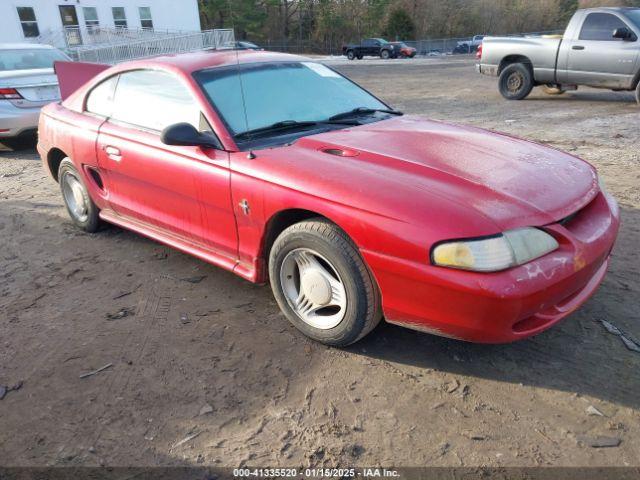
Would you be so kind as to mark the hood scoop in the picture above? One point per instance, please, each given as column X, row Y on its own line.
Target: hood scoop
column 340, row 152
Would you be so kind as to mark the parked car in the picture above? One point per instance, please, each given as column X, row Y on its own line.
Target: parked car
column 241, row 45
column 600, row 49
column 403, row 50
column 27, row 82
column 469, row 46
column 281, row 170
column 370, row 47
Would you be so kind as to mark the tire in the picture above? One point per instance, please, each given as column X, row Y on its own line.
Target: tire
column 638, row 93
column 516, row 81
column 313, row 243
column 550, row 89
column 359, row 56
column 24, row 142
column 384, row 54
column 81, row 209
column 351, row 55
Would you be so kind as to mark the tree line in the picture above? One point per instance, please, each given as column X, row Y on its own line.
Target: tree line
column 324, row 25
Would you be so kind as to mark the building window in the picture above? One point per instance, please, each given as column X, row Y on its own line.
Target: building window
column 90, row 17
column 28, row 21
column 145, row 18
column 119, row 18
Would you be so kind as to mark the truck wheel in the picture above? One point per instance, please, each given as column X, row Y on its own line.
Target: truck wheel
column 359, row 56
column 551, row 89
column 322, row 284
column 516, row 81
column 351, row 54
column 384, row 54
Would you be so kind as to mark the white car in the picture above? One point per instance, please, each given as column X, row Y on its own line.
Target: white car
column 27, row 83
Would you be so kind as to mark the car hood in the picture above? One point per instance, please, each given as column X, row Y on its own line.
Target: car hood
column 407, row 161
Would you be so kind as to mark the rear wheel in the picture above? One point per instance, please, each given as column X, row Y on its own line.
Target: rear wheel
column 384, row 54
column 516, row 81
column 322, row 284
column 351, row 54
column 81, row 208
column 551, row 89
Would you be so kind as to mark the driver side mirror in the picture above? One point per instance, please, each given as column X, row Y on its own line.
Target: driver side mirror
column 624, row 33
column 186, row 135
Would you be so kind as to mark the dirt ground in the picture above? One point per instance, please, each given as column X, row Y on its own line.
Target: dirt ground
column 204, row 370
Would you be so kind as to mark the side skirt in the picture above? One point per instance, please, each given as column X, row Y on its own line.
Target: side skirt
column 177, row 242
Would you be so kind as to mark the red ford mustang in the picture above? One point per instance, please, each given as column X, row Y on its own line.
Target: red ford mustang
column 280, row 169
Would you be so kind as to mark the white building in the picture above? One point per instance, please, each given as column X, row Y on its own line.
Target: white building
column 42, row 20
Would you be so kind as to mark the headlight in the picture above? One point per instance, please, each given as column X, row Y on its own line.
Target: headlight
column 509, row 249
column 603, row 187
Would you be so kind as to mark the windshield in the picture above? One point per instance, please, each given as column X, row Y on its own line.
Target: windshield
column 280, row 92
column 634, row 16
column 29, row 59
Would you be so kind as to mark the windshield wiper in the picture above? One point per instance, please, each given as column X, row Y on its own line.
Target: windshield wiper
column 363, row 111
column 288, row 125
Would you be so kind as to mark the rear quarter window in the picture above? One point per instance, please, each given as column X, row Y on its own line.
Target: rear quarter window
column 100, row 99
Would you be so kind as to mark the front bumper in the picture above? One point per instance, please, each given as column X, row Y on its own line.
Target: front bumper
column 16, row 121
column 504, row 306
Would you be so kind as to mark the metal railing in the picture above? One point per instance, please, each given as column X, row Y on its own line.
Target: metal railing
column 72, row 37
column 131, row 49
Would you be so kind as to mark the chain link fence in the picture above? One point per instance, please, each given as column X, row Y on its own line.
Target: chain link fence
column 427, row 47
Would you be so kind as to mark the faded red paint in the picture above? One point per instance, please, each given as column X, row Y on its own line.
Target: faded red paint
column 408, row 184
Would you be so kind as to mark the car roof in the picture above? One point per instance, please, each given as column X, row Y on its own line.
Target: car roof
column 24, row 46
column 192, row 62
column 610, row 9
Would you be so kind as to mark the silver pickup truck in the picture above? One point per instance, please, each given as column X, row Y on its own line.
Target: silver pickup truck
column 600, row 48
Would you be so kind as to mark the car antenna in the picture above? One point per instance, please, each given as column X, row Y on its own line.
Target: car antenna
column 250, row 155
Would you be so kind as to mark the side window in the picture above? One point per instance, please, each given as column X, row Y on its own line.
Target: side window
column 600, row 26
column 100, row 99
column 367, row 43
column 153, row 100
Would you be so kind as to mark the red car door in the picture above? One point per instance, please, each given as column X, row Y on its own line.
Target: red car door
column 183, row 191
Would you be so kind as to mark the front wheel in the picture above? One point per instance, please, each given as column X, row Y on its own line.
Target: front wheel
column 322, row 284
column 516, row 81
column 384, row 54
column 81, row 208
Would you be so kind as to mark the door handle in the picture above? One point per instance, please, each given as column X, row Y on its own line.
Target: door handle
column 577, row 47
column 113, row 153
